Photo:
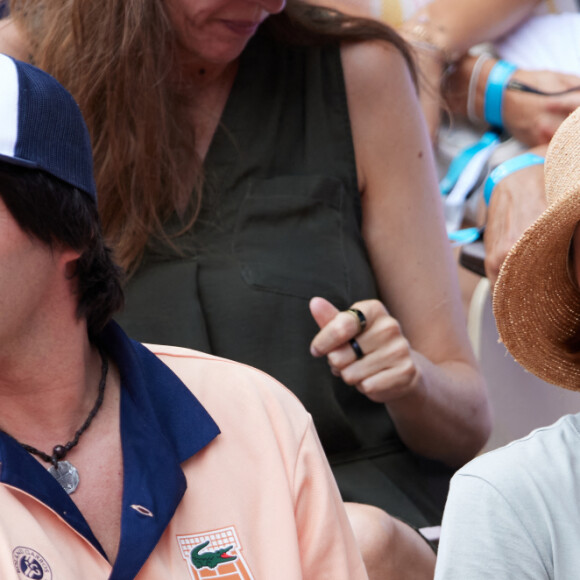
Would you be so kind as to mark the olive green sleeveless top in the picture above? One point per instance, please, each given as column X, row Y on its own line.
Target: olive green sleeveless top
column 281, row 223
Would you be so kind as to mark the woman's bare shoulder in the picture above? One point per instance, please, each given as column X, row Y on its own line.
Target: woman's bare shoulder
column 11, row 40
column 376, row 66
column 382, row 100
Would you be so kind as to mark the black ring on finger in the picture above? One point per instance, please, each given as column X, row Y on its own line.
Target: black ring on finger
column 356, row 347
column 361, row 318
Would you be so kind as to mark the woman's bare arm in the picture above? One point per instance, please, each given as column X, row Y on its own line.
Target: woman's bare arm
column 418, row 359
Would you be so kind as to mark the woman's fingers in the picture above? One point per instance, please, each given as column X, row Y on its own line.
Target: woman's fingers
column 532, row 118
column 322, row 311
column 380, row 364
column 336, row 327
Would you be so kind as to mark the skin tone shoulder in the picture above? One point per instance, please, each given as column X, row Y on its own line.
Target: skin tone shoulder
column 11, row 42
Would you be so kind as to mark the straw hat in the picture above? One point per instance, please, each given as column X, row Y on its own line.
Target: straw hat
column 536, row 300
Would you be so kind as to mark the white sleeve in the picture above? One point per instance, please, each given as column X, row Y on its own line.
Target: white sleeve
column 483, row 536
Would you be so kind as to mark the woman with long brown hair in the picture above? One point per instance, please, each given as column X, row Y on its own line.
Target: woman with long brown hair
column 251, row 155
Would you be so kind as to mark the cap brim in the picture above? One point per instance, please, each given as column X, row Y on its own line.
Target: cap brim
column 18, row 161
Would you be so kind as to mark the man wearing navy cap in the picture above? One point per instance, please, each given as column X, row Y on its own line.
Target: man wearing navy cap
column 112, row 464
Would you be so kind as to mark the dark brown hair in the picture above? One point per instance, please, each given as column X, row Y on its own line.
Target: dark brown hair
column 55, row 212
column 114, row 57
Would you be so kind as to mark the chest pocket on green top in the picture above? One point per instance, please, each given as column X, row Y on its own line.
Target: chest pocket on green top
column 289, row 237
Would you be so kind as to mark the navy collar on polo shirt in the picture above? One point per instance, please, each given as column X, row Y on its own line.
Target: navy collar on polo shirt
column 162, row 425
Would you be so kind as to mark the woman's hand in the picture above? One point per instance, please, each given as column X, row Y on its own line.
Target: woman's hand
column 387, row 370
column 533, row 119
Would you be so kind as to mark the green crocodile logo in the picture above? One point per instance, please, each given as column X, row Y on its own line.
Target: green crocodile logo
column 210, row 559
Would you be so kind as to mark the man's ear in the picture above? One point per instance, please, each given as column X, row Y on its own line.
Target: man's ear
column 68, row 258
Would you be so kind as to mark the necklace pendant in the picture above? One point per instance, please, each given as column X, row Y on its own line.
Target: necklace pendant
column 66, row 474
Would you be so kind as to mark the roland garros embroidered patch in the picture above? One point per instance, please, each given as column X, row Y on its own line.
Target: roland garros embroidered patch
column 214, row 554
column 30, row 564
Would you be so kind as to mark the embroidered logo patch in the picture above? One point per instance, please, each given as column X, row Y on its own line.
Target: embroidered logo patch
column 215, row 554
column 30, row 564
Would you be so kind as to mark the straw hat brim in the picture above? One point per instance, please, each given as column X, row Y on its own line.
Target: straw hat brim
column 536, row 302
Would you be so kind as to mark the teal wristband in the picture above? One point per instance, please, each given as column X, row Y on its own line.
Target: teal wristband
column 462, row 160
column 506, row 168
column 497, row 81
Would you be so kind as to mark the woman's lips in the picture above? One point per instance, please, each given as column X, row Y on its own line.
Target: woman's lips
column 242, row 27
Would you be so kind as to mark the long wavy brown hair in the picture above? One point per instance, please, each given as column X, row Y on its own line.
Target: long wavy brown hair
column 114, row 56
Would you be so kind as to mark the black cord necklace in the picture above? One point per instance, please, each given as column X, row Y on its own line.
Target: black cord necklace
column 63, row 471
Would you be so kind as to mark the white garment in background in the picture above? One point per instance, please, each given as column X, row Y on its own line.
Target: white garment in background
column 547, row 42
column 514, row 513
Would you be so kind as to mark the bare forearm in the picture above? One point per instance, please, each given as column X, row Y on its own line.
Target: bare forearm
column 456, row 88
column 461, row 24
column 447, row 417
column 443, row 31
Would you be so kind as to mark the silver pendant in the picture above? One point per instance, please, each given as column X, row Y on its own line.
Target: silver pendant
column 66, row 474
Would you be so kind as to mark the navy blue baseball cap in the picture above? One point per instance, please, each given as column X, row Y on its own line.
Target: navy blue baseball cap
column 41, row 126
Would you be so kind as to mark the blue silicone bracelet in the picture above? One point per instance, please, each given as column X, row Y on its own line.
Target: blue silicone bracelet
column 506, row 168
column 497, row 80
column 461, row 161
